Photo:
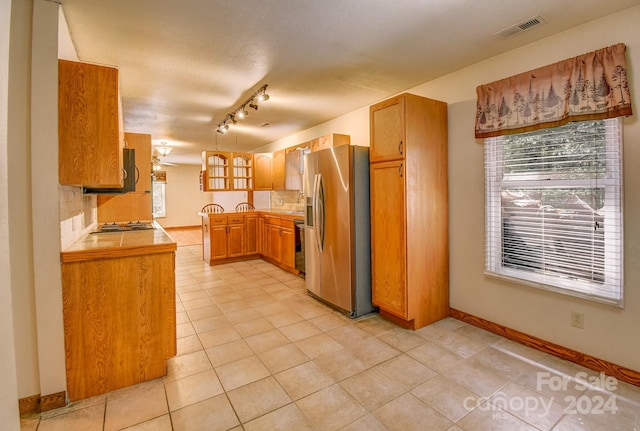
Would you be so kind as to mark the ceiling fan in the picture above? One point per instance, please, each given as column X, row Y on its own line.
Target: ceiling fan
column 157, row 162
column 158, row 152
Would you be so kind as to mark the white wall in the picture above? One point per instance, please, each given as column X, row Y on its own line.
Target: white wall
column 8, row 381
column 45, row 220
column 20, row 235
column 34, row 242
column 610, row 333
column 183, row 196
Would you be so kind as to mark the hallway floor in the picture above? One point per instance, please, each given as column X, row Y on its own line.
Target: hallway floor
column 256, row 353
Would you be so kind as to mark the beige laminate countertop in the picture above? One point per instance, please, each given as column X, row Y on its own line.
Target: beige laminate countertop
column 118, row 244
column 295, row 215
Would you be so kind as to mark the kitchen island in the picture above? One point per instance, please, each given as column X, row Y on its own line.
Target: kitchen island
column 267, row 234
column 118, row 293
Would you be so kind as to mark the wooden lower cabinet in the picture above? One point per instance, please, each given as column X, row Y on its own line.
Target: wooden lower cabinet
column 388, row 266
column 119, row 321
column 235, row 236
column 287, row 247
column 228, row 237
column 251, row 234
column 280, row 242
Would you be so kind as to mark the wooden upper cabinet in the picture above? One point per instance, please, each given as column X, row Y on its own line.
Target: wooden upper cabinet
column 242, row 171
column 333, row 140
column 216, row 168
column 226, row 171
column 388, row 141
column 327, row 141
column 279, row 170
column 137, row 205
column 90, row 135
column 263, row 171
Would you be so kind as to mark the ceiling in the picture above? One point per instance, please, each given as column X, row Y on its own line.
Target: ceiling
column 184, row 65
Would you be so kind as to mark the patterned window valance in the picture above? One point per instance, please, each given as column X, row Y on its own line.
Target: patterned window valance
column 588, row 87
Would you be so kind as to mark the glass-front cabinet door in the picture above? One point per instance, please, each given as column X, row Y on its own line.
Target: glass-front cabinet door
column 242, row 171
column 226, row 171
column 216, row 171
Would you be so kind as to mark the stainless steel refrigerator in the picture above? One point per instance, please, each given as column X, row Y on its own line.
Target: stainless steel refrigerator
column 337, row 234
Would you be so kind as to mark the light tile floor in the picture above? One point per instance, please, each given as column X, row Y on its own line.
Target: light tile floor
column 256, row 353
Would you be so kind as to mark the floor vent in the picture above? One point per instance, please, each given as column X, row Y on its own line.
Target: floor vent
column 521, row 26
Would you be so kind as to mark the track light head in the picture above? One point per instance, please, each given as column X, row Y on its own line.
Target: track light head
column 223, row 128
column 263, row 97
column 253, row 105
column 241, row 113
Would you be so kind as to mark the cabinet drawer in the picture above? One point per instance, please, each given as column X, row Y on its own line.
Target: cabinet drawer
column 235, row 219
column 218, row 220
column 286, row 222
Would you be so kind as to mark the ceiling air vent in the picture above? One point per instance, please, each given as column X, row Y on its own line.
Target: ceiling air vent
column 521, row 26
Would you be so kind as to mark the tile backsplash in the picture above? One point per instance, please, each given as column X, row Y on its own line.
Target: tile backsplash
column 287, row 200
column 78, row 213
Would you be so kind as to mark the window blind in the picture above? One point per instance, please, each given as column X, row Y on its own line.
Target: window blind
column 554, row 208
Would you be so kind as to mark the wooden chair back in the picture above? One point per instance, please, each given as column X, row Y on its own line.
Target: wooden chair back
column 212, row 208
column 244, row 207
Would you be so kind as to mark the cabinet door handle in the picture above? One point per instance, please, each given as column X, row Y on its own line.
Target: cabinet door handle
column 400, row 170
column 206, row 228
column 400, row 148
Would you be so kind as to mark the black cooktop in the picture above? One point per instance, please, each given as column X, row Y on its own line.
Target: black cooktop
column 123, row 227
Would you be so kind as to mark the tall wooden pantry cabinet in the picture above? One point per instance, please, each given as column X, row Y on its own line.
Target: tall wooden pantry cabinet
column 409, row 210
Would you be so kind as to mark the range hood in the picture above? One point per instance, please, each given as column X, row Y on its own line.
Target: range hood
column 130, row 180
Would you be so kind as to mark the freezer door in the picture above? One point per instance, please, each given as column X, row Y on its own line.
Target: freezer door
column 311, row 252
column 334, row 187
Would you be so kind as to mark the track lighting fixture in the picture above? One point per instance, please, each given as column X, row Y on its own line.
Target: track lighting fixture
column 241, row 112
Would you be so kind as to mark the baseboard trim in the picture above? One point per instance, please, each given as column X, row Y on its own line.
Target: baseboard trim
column 29, row 404
column 38, row 404
column 182, row 227
column 53, row 401
column 621, row 373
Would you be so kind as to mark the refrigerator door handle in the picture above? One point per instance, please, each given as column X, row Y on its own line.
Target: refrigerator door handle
column 319, row 212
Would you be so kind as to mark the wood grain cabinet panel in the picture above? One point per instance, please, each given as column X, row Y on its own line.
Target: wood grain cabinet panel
column 389, row 237
column 119, row 321
column 388, row 139
column 409, row 209
column 251, row 234
column 136, row 205
column 235, row 236
column 287, row 247
column 279, row 170
column 263, row 176
column 90, row 135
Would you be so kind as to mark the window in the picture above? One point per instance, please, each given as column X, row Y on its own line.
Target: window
column 159, row 209
column 554, row 208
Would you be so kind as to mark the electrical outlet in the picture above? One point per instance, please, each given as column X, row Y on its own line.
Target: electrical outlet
column 577, row 319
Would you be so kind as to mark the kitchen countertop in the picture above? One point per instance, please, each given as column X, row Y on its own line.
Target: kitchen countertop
column 118, row 244
column 296, row 215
